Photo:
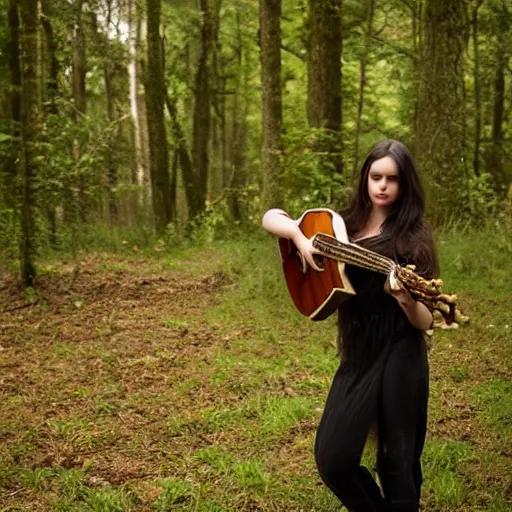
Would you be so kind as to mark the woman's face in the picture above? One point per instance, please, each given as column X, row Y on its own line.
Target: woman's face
column 383, row 182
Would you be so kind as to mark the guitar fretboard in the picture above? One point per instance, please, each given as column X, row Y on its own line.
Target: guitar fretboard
column 352, row 254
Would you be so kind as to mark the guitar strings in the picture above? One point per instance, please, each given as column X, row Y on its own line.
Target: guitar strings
column 355, row 254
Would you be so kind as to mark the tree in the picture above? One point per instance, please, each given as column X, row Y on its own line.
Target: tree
column 477, row 88
column 182, row 153
column 324, row 79
column 239, row 130
column 137, row 108
column 363, row 62
column 51, row 96
column 155, row 98
column 30, row 60
column 271, row 98
column 495, row 159
column 79, row 55
column 202, row 103
column 441, row 107
column 113, row 135
column 13, row 53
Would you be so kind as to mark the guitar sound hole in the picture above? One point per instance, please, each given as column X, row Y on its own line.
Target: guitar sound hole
column 319, row 260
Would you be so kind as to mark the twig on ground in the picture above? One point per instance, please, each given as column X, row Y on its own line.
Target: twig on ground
column 23, row 306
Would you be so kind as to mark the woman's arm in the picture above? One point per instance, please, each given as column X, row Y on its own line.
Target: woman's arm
column 417, row 313
column 279, row 223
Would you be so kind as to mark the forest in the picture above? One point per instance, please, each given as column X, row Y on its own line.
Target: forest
column 150, row 356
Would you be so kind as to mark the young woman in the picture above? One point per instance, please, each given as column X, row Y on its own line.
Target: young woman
column 383, row 374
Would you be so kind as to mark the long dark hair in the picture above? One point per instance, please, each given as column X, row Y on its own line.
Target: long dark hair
column 405, row 228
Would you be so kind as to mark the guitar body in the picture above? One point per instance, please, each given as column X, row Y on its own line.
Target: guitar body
column 316, row 294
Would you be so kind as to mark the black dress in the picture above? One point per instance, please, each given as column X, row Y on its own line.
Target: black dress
column 383, row 376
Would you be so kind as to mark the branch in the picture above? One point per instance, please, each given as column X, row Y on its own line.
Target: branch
column 23, row 306
column 226, row 189
column 384, row 25
column 293, row 52
column 396, row 47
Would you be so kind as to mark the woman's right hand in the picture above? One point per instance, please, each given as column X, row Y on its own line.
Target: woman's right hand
column 306, row 252
column 279, row 223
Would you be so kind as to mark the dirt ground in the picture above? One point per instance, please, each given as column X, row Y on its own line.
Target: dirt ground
column 96, row 363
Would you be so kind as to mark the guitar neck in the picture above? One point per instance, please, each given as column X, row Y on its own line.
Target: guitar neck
column 353, row 254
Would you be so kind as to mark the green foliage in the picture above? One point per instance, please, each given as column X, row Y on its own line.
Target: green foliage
column 9, row 233
column 459, row 373
column 308, row 181
column 494, row 399
column 67, row 428
column 72, row 483
column 218, row 458
column 4, row 39
column 37, row 478
column 78, row 149
column 99, row 237
column 481, row 199
column 281, row 413
column 467, row 253
column 65, row 169
column 251, row 473
column 215, row 223
column 175, row 491
column 441, row 463
column 29, row 294
column 107, row 499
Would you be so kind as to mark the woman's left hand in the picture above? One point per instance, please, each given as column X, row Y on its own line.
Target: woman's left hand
column 417, row 313
column 403, row 297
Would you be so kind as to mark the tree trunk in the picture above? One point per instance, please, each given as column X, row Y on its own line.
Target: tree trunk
column 182, row 150
column 440, row 136
column 112, row 136
column 13, row 53
column 218, row 86
column 224, row 143
column 112, row 118
column 324, row 80
column 78, row 48
column 133, row 74
column 272, row 110
column 202, row 103
column 362, row 82
column 14, row 61
column 53, row 72
column 52, row 89
column 75, row 205
column 155, row 97
column 477, row 91
column 30, row 53
column 496, row 156
column 143, row 117
column 235, row 180
column 174, row 183
column 416, row 14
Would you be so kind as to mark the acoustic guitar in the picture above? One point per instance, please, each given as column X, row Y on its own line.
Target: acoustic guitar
column 316, row 294
column 319, row 294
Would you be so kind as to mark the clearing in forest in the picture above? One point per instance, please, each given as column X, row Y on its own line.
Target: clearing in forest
column 159, row 384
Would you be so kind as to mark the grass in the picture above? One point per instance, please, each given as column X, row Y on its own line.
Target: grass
column 494, row 402
column 186, row 381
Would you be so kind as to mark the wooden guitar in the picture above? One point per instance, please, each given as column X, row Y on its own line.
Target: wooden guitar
column 318, row 294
